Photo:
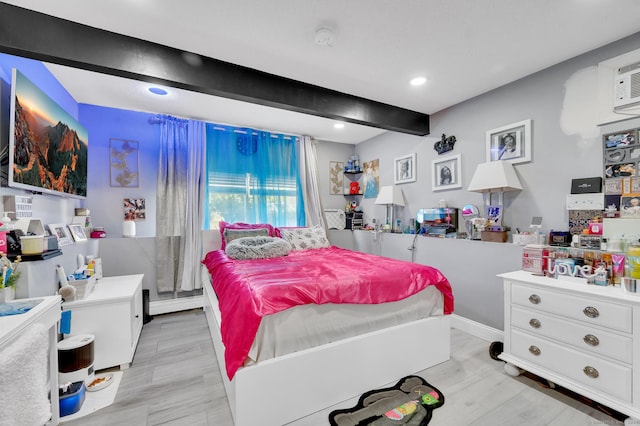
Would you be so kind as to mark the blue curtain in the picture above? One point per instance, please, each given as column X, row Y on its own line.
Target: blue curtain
column 253, row 177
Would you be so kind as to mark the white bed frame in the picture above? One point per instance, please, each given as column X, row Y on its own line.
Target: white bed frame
column 287, row 388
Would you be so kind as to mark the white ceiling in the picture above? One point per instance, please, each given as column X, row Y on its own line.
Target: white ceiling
column 464, row 48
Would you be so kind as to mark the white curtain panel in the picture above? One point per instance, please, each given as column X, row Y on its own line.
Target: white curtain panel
column 179, row 204
column 192, row 240
column 309, row 181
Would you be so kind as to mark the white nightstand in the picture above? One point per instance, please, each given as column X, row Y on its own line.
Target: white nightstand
column 113, row 314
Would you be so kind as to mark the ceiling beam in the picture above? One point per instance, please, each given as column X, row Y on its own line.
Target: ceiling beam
column 42, row 37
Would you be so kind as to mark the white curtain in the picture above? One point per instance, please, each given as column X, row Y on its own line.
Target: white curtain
column 309, row 181
column 179, row 204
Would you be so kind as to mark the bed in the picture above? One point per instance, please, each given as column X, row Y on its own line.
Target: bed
column 303, row 340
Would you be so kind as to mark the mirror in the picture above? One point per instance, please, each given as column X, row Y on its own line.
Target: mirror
column 470, row 212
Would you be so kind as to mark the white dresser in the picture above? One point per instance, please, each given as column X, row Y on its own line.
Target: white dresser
column 583, row 337
column 113, row 314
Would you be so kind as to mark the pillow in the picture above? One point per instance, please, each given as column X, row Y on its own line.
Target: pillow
column 305, row 238
column 257, row 248
column 277, row 232
column 234, row 234
column 239, row 225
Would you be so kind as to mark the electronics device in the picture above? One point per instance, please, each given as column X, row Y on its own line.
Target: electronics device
column 626, row 89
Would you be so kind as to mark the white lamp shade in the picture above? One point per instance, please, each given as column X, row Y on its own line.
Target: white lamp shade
column 495, row 176
column 390, row 195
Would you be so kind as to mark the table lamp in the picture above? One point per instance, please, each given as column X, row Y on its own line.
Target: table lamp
column 494, row 177
column 390, row 196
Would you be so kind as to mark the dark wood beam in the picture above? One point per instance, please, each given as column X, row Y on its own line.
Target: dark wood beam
column 38, row 36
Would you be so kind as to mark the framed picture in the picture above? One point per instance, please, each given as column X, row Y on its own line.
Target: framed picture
column 621, row 139
column 134, row 209
column 494, row 215
column 336, row 178
column 61, row 232
column 404, row 169
column 510, row 143
column 77, row 231
column 446, row 173
column 630, row 206
column 123, row 157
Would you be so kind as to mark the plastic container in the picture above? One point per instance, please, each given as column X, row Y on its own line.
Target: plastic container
column 83, row 287
column 32, row 244
column 633, row 260
column 72, row 399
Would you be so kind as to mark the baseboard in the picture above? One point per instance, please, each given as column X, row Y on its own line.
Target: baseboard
column 477, row 329
column 175, row 305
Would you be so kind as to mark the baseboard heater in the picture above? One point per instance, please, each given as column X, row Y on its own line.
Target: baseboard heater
column 175, row 305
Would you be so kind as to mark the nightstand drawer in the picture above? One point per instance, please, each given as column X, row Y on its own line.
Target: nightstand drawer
column 591, row 371
column 585, row 309
column 582, row 336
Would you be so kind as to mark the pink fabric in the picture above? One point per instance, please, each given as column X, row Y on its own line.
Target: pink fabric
column 247, row 290
column 239, row 225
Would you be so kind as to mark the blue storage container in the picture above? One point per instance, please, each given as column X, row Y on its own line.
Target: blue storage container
column 71, row 400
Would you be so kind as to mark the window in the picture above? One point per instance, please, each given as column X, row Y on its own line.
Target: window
column 252, row 177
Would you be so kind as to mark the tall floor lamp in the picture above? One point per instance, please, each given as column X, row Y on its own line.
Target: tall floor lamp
column 390, row 196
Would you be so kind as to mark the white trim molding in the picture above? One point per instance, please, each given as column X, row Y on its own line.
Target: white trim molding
column 175, row 305
column 476, row 329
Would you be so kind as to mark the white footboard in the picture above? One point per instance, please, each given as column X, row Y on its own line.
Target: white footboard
column 283, row 389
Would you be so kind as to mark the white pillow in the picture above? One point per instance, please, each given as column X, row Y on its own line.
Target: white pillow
column 305, row 238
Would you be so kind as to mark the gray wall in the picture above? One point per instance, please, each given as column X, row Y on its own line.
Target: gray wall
column 567, row 144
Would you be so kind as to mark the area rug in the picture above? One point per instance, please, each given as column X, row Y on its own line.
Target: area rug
column 410, row 402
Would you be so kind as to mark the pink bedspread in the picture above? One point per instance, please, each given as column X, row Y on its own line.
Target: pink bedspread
column 247, row 290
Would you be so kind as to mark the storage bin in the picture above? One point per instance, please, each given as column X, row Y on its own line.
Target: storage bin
column 71, row 401
column 83, row 287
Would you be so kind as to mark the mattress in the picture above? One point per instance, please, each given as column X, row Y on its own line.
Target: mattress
column 307, row 326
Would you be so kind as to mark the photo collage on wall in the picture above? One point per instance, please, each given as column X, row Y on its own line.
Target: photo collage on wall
column 622, row 174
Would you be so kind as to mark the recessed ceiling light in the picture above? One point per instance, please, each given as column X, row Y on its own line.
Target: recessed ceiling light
column 158, row 91
column 338, row 125
column 418, row 81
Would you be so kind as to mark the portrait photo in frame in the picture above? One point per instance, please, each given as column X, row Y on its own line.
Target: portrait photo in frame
column 446, row 173
column 510, row 143
column 404, row 169
column 77, row 231
column 61, row 232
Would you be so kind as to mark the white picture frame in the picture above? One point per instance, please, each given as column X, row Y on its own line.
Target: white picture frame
column 446, row 173
column 404, row 169
column 509, row 143
column 61, row 232
column 77, row 231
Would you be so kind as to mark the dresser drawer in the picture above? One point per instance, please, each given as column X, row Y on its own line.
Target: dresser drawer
column 581, row 336
column 601, row 375
column 586, row 309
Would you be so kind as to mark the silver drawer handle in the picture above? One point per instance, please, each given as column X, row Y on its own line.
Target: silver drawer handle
column 591, row 340
column 534, row 350
column 534, row 323
column 591, row 312
column 534, row 298
column 591, row 372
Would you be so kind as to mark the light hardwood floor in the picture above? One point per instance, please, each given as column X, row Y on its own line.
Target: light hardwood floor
column 175, row 380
